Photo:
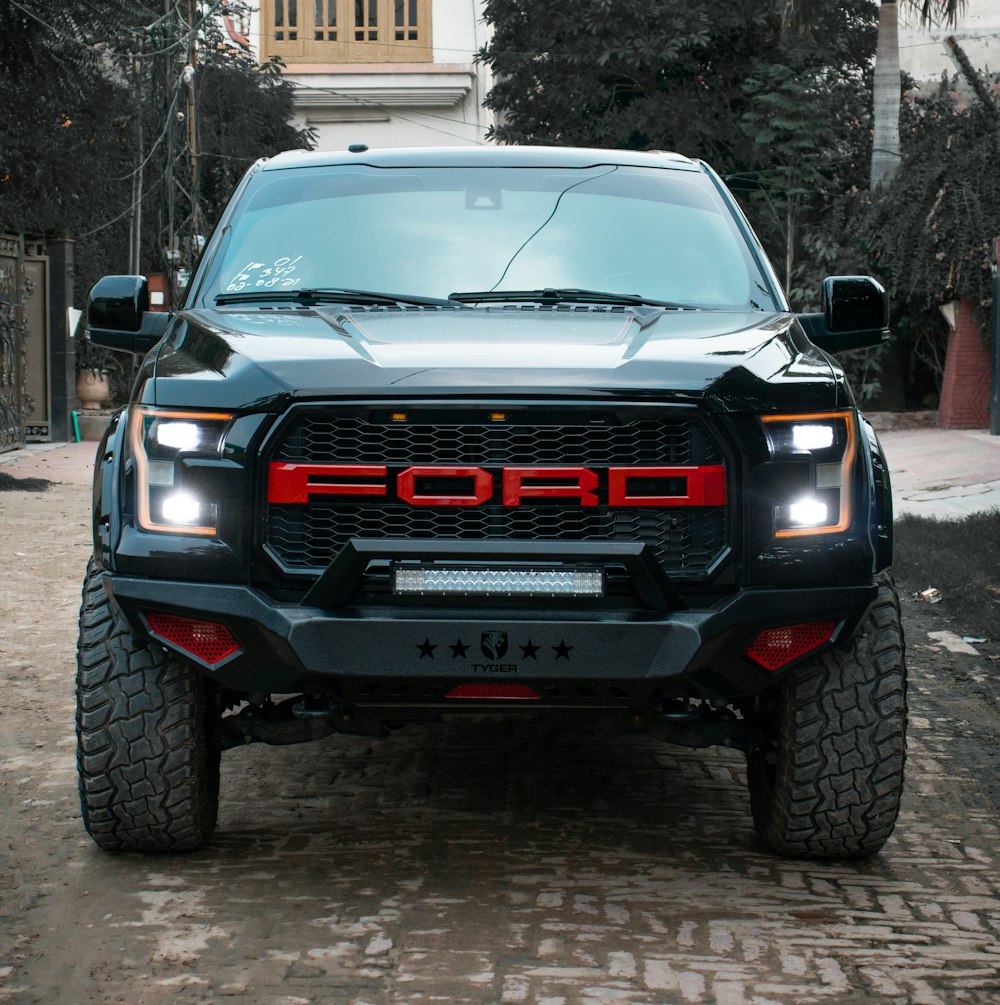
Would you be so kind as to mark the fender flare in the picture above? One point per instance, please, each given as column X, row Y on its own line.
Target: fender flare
column 108, row 488
column 880, row 488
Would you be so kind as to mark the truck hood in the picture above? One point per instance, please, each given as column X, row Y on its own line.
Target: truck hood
column 266, row 359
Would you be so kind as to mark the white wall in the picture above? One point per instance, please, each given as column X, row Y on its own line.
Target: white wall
column 924, row 55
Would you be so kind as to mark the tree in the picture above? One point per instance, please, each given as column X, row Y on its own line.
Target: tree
column 804, row 165
column 60, row 149
column 203, row 111
column 932, row 228
column 885, row 142
column 715, row 80
column 128, row 177
column 108, row 138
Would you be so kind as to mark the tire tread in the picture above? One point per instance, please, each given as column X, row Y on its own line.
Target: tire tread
column 148, row 771
column 841, row 745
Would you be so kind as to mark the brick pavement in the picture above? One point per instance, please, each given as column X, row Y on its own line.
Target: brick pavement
column 474, row 862
column 492, row 863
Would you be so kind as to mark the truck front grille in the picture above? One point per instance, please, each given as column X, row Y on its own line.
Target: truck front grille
column 303, row 538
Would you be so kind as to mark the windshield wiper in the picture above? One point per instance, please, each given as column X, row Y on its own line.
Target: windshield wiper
column 565, row 295
column 327, row 295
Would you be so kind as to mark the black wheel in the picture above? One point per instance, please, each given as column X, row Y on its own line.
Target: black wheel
column 146, row 752
column 830, row 783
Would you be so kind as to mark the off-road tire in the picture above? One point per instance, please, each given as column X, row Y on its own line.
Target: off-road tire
column 148, row 764
column 830, row 784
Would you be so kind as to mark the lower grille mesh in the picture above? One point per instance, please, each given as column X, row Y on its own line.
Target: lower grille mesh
column 310, row 537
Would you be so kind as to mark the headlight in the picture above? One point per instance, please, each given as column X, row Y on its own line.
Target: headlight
column 827, row 441
column 160, row 438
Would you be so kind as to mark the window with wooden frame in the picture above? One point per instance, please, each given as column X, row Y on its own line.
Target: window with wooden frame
column 347, row 31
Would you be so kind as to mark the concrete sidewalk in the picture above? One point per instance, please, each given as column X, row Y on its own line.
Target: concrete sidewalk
column 944, row 473
column 69, row 463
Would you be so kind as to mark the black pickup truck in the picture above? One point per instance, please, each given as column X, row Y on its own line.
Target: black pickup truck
column 519, row 431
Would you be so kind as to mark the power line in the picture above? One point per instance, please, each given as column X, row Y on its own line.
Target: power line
column 101, row 47
column 125, row 212
column 159, row 139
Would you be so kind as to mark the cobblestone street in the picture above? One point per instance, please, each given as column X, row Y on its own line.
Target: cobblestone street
column 477, row 862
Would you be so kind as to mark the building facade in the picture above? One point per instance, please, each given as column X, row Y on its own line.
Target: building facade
column 381, row 72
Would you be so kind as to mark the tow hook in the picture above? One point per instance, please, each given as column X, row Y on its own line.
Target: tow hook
column 687, row 724
column 277, row 725
column 315, row 706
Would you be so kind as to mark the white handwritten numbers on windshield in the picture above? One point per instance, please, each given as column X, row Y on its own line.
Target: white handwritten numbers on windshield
column 260, row 275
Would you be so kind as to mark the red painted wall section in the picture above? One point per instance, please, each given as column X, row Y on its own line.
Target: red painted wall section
column 965, row 391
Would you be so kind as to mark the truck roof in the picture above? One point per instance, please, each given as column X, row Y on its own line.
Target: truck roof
column 493, row 156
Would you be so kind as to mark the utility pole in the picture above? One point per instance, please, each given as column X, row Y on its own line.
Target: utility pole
column 135, row 250
column 190, row 72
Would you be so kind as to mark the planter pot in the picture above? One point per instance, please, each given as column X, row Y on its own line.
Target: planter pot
column 92, row 388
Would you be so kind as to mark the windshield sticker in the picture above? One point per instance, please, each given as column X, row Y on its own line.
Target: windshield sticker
column 261, row 276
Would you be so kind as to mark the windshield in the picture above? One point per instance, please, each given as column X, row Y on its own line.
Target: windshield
column 663, row 235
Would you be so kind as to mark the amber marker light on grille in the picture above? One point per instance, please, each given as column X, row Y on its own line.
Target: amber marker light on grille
column 399, row 416
column 498, row 416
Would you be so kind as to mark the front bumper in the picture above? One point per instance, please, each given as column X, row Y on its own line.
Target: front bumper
column 291, row 647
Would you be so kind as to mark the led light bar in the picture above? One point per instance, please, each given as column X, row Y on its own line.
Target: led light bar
column 519, row 582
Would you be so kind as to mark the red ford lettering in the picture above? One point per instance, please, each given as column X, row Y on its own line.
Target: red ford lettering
column 514, row 489
column 291, row 483
column 482, row 486
column 706, row 486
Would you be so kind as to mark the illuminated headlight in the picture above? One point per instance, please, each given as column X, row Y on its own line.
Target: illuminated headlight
column 160, row 439
column 826, row 444
column 180, row 434
column 182, row 509
column 813, row 435
column 429, row 579
column 808, row 513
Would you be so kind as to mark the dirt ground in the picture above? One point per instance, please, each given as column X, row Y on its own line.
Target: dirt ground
column 480, row 863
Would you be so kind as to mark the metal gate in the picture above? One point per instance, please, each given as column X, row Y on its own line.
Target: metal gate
column 25, row 378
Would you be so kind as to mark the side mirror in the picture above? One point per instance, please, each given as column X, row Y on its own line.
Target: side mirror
column 118, row 315
column 854, row 304
column 855, row 315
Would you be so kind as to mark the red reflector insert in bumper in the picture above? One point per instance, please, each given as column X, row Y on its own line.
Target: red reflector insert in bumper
column 508, row 692
column 775, row 647
column 208, row 640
